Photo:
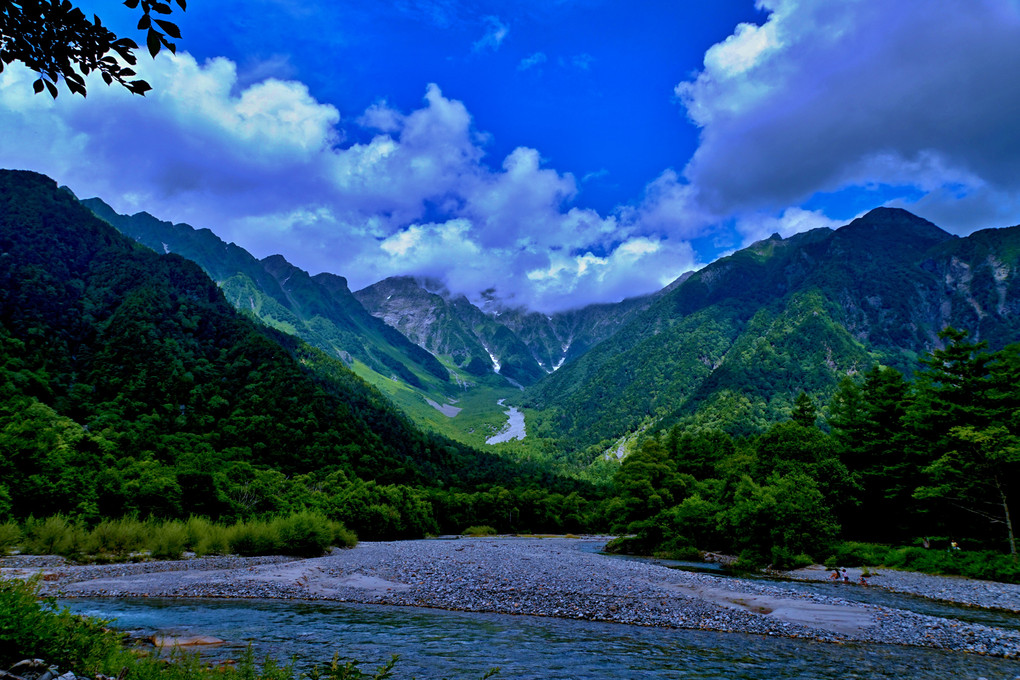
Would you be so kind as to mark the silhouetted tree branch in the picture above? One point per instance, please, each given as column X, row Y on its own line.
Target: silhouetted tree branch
column 57, row 41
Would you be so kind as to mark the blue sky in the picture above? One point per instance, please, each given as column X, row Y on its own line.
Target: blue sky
column 561, row 152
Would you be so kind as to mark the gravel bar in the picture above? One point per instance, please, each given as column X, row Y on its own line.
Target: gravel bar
column 955, row 589
column 547, row 576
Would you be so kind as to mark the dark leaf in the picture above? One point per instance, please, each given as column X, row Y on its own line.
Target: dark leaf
column 131, row 3
column 169, row 28
column 52, row 88
column 162, row 8
column 152, row 41
column 144, row 23
column 38, row 86
column 183, row 4
column 107, row 78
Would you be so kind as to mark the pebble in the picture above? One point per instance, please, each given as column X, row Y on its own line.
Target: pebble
column 549, row 576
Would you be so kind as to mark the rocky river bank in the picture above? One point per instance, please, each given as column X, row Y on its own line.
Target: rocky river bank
column 557, row 577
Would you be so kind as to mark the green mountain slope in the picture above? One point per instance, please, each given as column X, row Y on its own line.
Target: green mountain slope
column 736, row 342
column 129, row 384
column 321, row 310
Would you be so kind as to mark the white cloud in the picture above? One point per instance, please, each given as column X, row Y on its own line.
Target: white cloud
column 756, row 227
column 495, row 33
column 532, row 61
column 864, row 93
column 267, row 166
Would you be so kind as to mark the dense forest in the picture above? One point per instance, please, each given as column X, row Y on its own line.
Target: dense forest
column 933, row 460
column 129, row 386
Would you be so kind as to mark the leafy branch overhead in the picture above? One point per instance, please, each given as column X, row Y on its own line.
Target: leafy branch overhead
column 56, row 40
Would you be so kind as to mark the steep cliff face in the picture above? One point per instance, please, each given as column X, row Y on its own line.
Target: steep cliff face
column 451, row 326
column 520, row 345
column 555, row 339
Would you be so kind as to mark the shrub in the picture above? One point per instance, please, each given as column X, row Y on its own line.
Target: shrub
column 480, row 530
column 10, row 537
column 206, row 538
column 53, row 536
column 168, row 540
column 686, row 553
column 342, row 536
column 32, row 628
column 305, row 533
column 117, row 537
column 255, row 537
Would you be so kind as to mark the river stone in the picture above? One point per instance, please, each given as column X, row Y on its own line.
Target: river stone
column 185, row 641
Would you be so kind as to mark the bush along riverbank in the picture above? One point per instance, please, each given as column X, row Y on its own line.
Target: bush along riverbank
column 40, row 641
column 304, row 534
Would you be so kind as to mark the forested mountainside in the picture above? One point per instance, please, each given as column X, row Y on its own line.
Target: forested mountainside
column 128, row 384
column 319, row 309
column 521, row 345
column 732, row 346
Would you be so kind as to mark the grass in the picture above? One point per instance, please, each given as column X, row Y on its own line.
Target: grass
column 305, row 533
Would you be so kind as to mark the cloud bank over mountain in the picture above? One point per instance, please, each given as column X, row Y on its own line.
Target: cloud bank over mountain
column 821, row 111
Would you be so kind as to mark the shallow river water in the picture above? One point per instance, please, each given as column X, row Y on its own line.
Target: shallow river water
column 440, row 644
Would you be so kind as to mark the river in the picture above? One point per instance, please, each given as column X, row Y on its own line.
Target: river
column 514, row 428
column 440, row 644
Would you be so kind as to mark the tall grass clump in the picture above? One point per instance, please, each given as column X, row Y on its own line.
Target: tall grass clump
column 305, row 533
column 10, row 537
column 207, row 538
column 54, row 535
column 117, row 537
column 342, row 536
column 168, row 540
column 254, row 537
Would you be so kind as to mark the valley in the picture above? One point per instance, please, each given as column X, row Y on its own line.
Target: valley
column 803, row 401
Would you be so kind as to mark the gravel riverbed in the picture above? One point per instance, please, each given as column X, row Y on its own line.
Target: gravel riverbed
column 560, row 577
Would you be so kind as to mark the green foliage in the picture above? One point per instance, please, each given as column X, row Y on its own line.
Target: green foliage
column 479, row 530
column 350, row 670
column 52, row 536
column 940, row 558
column 130, row 387
column 10, row 537
column 33, row 629
column 305, row 533
column 118, row 537
column 206, row 538
column 169, row 540
column 778, row 520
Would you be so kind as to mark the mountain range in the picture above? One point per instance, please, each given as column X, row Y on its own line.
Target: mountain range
column 730, row 345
